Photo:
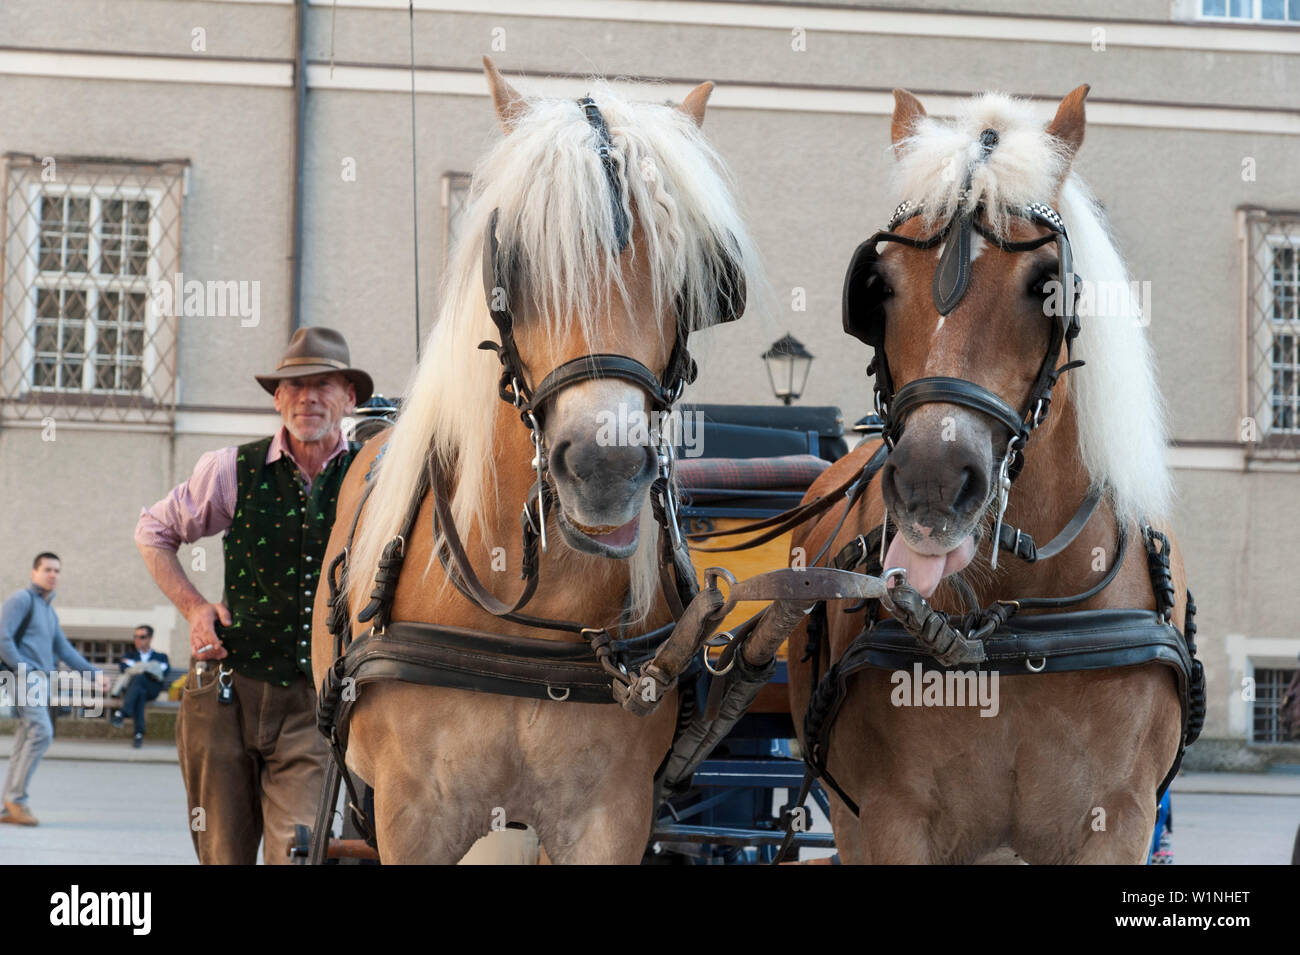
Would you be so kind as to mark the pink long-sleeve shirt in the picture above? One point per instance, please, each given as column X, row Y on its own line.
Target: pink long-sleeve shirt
column 205, row 504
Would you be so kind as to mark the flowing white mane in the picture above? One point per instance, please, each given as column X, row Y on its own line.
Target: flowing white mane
column 550, row 186
column 1115, row 396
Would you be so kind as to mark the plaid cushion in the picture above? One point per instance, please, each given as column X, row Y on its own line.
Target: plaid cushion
column 792, row 472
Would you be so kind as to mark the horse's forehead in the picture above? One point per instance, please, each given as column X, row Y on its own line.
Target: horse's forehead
column 987, row 322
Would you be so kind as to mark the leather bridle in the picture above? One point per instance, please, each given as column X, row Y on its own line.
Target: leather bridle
column 864, row 319
column 514, row 386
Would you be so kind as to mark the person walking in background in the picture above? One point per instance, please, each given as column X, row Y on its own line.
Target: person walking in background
column 32, row 643
column 144, row 672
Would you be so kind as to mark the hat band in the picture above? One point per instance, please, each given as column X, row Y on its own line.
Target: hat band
column 332, row 362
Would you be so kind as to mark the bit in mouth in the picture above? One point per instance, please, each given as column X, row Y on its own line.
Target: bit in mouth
column 598, row 530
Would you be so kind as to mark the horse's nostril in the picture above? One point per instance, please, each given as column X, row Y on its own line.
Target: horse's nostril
column 556, row 459
column 971, row 491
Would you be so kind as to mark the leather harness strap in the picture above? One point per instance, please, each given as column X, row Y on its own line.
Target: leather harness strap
column 1022, row 545
column 459, row 569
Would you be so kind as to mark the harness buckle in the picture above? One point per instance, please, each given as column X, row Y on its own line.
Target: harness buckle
column 1004, row 494
column 892, row 573
column 539, row 466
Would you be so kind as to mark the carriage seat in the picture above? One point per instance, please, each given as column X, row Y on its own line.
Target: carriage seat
column 725, row 476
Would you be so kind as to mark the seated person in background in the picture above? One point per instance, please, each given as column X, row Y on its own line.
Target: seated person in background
column 143, row 673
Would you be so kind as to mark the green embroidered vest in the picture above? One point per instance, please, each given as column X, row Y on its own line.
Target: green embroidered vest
column 273, row 562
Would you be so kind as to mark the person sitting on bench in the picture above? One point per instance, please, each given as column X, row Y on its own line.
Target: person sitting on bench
column 143, row 672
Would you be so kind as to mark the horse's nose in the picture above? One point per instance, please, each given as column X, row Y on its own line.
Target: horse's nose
column 589, row 462
column 935, row 483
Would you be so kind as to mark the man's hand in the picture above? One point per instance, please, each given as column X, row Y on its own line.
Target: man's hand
column 204, row 642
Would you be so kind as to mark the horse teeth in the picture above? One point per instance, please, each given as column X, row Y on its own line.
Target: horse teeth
column 602, row 529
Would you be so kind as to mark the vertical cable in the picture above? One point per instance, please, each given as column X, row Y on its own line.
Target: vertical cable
column 415, row 193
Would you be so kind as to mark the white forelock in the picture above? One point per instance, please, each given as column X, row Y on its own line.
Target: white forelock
column 1027, row 164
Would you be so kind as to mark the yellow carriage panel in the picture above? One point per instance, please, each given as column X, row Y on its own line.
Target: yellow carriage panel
column 773, row 555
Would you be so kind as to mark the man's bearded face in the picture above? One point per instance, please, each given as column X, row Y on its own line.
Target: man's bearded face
column 313, row 407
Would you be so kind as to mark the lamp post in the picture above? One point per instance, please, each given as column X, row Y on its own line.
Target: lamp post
column 787, row 367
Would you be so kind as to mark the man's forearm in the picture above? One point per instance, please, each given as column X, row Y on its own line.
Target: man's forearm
column 171, row 579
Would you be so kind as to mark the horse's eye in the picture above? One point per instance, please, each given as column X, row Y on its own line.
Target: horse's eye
column 1038, row 284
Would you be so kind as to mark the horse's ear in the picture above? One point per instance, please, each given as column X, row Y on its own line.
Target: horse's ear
column 1069, row 122
column 509, row 104
column 908, row 111
column 695, row 101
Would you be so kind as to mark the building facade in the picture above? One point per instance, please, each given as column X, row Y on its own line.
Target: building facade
column 185, row 180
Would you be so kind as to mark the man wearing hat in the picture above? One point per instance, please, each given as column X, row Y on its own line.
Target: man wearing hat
column 250, row 754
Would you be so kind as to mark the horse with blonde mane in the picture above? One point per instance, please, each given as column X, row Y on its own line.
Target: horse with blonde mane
column 600, row 233
column 1064, row 760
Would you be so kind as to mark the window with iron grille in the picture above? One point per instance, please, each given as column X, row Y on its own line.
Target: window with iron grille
column 102, row 653
column 1270, row 685
column 455, row 199
column 1273, row 333
column 86, row 242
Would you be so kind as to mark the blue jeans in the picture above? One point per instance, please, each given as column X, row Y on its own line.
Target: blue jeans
column 139, row 691
column 31, row 740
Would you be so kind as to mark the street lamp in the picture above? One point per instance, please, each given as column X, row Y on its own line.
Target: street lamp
column 787, row 367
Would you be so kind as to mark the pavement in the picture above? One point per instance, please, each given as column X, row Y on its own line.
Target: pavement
column 102, row 750
column 102, row 812
column 97, row 809
column 120, row 751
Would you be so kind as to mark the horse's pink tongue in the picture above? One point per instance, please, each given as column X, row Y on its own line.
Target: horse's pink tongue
column 620, row 536
column 925, row 571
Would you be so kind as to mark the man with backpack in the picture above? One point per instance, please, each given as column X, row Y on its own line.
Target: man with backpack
column 32, row 643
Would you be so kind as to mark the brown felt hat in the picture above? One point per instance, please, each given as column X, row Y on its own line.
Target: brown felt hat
column 317, row 351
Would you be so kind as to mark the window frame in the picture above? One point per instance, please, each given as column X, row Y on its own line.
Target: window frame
column 450, row 181
column 95, row 284
column 1256, row 14
column 1273, row 703
column 1266, row 325
column 151, row 406
column 1261, row 231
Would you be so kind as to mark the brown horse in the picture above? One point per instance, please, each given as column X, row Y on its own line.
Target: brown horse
column 450, row 765
column 1064, row 767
